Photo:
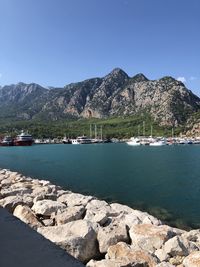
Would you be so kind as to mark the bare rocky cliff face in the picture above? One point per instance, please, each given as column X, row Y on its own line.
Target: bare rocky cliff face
column 167, row 100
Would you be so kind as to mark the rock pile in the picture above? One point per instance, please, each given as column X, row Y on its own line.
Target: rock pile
column 97, row 233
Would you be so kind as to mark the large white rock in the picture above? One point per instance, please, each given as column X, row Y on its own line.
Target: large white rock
column 150, row 237
column 74, row 199
column 99, row 217
column 161, row 255
column 119, row 208
column 165, row 264
column 69, row 214
column 105, row 263
column 193, row 260
column 111, row 235
column 193, row 235
column 6, row 192
column 97, row 206
column 179, row 246
column 128, row 220
column 39, row 190
column 47, row 207
column 25, row 214
column 122, row 252
column 78, row 238
column 143, row 217
column 11, row 202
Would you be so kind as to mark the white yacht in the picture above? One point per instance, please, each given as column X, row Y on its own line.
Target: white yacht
column 80, row 140
column 158, row 143
column 133, row 141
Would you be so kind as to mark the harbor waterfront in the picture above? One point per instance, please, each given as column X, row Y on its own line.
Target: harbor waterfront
column 162, row 180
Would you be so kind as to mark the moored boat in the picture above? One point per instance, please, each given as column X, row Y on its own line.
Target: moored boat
column 66, row 141
column 158, row 143
column 80, row 140
column 7, row 141
column 133, row 141
column 23, row 139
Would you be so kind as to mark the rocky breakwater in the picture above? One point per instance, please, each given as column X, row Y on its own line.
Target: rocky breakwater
column 97, row 233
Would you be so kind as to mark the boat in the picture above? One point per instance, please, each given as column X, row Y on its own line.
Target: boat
column 80, row 140
column 23, row 139
column 66, row 141
column 158, row 143
column 133, row 141
column 7, row 141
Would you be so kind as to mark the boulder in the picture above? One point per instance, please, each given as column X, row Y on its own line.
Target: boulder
column 39, row 190
column 150, row 237
column 193, row 236
column 99, row 207
column 47, row 207
column 143, row 217
column 25, row 214
column 106, row 263
column 161, row 255
column 99, row 217
column 78, row 238
column 7, row 181
column 179, row 246
column 193, row 260
column 6, row 192
column 119, row 208
column 111, row 235
column 74, row 199
column 45, row 196
column 69, row 214
column 122, row 252
column 128, row 220
column 11, row 202
column 48, row 222
column 27, row 200
column 165, row 264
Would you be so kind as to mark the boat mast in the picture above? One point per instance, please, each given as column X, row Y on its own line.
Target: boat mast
column 151, row 131
column 138, row 130
column 101, row 133
column 143, row 128
column 95, row 130
column 90, row 131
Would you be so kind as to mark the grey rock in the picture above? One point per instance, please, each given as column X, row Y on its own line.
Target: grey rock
column 74, row 199
column 11, row 202
column 47, row 207
column 78, row 238
column 179, row 246
column 111, row 235
column 69, row 214
column 193, row 260
column 150, row 237
column 25, row 214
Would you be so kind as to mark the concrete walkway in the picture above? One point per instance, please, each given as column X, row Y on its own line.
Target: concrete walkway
column 20, row 246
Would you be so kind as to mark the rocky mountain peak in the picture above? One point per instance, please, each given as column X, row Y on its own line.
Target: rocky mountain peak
column 118, row 73
column 140, row 77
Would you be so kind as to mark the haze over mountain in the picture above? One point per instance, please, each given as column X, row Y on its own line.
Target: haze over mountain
column 167, row 100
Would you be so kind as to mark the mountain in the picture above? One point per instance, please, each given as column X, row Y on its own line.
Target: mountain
column 167, row 100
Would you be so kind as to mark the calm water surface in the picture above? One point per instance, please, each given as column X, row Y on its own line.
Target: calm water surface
column 163, row 180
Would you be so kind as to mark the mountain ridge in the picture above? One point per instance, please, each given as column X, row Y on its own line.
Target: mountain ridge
column 167, row 100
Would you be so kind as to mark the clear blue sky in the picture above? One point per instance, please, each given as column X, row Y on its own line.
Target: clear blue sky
column 55, row 42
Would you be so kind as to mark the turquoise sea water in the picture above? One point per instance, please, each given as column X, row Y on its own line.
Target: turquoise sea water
column 162, row 180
